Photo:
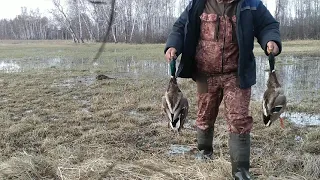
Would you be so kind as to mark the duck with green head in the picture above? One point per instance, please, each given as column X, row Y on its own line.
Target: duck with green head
column 174, row 104
column 274, row 100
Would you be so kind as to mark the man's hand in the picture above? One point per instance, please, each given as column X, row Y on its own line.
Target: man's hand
column 272, row 47
column 171, row 54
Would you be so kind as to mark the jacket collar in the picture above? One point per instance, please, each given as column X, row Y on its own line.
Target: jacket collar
column 226, row 1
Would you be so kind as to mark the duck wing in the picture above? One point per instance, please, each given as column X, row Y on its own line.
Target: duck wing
column 165, row 108
column 173, row 100
column 269, row 98
column 184, row 104
column 274, row 103
column 278, row 107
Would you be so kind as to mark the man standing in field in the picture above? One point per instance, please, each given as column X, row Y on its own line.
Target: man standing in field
column 215, row 38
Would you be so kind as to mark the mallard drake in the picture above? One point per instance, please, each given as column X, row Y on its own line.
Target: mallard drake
column 274, row 100
column 175, row 105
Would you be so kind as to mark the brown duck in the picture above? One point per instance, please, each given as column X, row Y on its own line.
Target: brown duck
column 175, row 106
column 274, row 100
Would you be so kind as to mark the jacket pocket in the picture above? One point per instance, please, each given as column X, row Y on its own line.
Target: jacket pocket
column 209, row 30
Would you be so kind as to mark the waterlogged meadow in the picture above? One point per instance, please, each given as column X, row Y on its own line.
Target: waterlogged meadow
column 57, row 121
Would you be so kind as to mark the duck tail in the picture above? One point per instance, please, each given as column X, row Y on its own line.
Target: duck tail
column 266, row 120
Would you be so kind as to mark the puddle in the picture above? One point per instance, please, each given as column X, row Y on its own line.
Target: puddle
column 22, row 65
column 303, row 119
column 132, row 68
column 176, row 149
column 124, row 66
column 298, row 76
column 9, row 67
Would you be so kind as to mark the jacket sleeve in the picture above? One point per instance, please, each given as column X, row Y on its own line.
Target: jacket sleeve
column 176, row 36
column 266, row 28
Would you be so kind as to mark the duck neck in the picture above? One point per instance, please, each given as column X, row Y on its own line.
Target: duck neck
column 273, row 80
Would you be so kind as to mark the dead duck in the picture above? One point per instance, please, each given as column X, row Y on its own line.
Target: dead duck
column 175, row 106
column 102, row 76
column 274, row 100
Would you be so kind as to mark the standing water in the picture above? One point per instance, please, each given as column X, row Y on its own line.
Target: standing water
column 298, row 75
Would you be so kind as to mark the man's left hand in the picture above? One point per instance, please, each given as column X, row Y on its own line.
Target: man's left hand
column 272, row 47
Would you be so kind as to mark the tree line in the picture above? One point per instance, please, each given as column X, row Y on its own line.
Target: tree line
column 139, row 21
column 299, row 19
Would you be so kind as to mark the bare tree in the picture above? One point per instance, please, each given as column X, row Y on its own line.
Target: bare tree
column 77, row 5
column 61, row 16
column 139, row 21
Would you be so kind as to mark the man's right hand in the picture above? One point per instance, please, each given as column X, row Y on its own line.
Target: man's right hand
column 171, row 54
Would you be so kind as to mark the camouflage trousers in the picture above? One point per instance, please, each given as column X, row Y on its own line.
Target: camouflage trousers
column 211, row 91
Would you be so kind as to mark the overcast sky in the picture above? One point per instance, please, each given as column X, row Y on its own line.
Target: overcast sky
column 11, row 8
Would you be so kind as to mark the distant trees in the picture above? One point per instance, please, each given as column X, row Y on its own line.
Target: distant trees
column 299, row 19
column 139, row 21
column 27, row 25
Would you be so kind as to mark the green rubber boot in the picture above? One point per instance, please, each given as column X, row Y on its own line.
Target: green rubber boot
column 204, row 140
column 239, row 146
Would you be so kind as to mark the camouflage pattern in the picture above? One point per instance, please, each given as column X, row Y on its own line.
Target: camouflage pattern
column 236, row 103
column 217, row 50
column 217, row 62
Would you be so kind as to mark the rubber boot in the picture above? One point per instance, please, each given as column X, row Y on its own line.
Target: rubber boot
column 204, row 140
column 239, row 149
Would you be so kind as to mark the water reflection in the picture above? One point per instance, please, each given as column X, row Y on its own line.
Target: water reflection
column 303, row 119
column 23, row 65
column 298, row 76
column 9, row 67
column 176, row 149
column 137, row 68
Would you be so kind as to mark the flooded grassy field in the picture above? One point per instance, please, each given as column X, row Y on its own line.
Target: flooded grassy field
column 57, row 121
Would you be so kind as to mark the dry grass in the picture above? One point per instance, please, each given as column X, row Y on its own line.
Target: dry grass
column 46, row 49
column 114, row 129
